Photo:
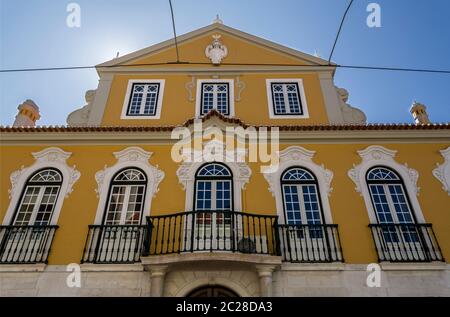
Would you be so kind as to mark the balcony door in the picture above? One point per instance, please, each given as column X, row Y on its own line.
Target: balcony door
column 213, row 204
column 397, row 232
column 120, row 235
column 28, row 237
column 303, row 234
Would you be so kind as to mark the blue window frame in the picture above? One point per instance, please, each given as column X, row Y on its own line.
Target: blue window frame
column 215, row 96
column 286, row 99
column 144, row 99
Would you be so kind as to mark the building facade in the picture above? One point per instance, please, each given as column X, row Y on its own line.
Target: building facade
column 240, row 170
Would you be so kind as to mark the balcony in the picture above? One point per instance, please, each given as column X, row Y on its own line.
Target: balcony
column 207, row 232
column 406, row 243
column 310, row 243
column 25, row 244
column 212, row 231
column 114, row 244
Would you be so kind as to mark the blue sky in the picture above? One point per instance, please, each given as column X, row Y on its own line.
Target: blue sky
column 33, row 33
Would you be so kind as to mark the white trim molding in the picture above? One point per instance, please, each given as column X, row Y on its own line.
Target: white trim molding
column 442, row 171
column 193, row 160
column 128, row 158
column 129, row 92
column 296, row 156
column 52, row 157
column 199, row 94
column 377, row 155
column 301, row 95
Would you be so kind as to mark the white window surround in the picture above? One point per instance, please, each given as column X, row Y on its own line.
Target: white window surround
column 188, row 169
column 128, row 158
column 302, row 97
column 376, row 155
column 52, row 157
column 129, row 92
column 442, row 171
column 296, row 156
column 199, row 95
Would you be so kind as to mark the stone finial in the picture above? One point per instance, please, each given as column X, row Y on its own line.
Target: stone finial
column 217, row 20
column 419, row 113
column 28, row 114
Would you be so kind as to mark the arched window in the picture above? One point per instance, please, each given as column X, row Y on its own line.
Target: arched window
column 389, row 198
column 301, row 197
column 39, row 198
column 126, row 198
column 213, row 188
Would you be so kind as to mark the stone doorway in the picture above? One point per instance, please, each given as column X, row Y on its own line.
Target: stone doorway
column 212, row 291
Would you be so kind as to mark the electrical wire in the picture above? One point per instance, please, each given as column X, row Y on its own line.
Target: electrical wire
column 174, row 31
column 360, row 67
column 339, row 31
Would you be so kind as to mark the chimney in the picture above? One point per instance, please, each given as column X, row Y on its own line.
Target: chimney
column 419, row 113
column 28, row 114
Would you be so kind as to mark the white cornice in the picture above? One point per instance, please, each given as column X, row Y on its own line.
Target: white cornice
column 224, row 69
column 216, row 27
column 319, row 137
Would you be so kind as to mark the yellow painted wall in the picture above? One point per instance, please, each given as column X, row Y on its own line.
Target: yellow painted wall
column 253, row 107
column 347, row 206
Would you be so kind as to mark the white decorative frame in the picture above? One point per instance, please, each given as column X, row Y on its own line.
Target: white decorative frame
column 442, row 171
column 302, row 97
column 193, row 160
column 198, row 101
column 52, row 157
column 128, row 158
column 376, row 155
column 159, row 102
column 298, row 156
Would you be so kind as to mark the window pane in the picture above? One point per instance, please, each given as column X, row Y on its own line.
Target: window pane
column 204, row 195
column 278, row 98
column 115, row 205
column 292, row 204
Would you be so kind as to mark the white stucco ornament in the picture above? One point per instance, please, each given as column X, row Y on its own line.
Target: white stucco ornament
column 216, row 52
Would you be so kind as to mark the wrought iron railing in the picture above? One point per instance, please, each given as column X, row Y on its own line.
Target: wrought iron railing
column 406, row 243
column 25, row 244
column 114, row 244
column 208, row 231
column 310, row 243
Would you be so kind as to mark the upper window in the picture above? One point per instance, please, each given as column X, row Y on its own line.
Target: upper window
column 39, row 199
column 286, row 98
column 143, row 99
column 126, row 198
column 215, row 95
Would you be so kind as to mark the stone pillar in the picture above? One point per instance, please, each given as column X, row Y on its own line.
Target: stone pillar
column 157, row 275
column 265, row 279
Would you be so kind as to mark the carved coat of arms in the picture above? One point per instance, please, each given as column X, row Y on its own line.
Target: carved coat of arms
column 216, row 52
